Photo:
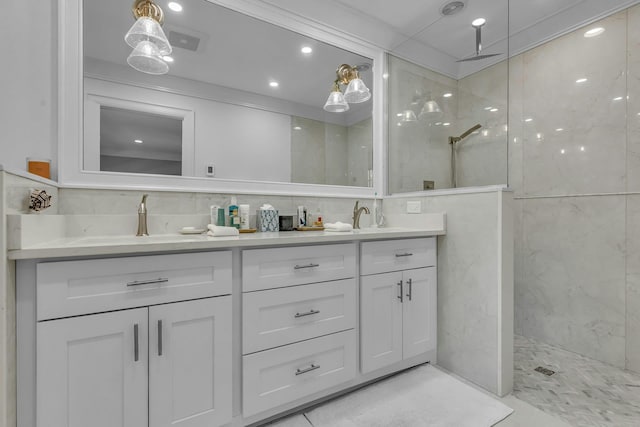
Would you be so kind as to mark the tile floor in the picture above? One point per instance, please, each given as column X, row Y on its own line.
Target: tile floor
column 583, row 391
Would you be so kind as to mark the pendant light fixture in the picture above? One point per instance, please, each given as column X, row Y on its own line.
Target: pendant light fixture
column 356, row 91
column 147, row 39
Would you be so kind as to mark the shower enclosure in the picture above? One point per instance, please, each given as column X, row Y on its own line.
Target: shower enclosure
column 447, row 118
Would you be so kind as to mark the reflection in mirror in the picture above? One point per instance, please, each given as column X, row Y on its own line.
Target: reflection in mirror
column 434, row 138
column 137, row 142
column 257, row 91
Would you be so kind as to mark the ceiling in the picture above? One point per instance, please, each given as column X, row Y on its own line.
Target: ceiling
column 245, row 53
column 416, row 30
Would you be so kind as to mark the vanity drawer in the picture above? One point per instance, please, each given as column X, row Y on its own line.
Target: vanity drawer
column 280, row 267
column 282, row 316
column 69, row 288
column 400, row 254
column 285, row 374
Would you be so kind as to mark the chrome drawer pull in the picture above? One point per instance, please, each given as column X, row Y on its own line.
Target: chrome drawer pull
column 136, row 348
column 308, row 313
column 403, row 255
column 400, row 297
column 147, row 282
column 309, row 369
column 300, row 267
column 159, row 337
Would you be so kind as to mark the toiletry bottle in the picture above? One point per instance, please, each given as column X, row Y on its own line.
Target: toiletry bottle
column 302, row 216
column 374, row 212
column 244, row 217
column 213, row 212
column 234, row 218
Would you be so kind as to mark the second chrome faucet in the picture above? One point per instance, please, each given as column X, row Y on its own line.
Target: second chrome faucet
column 357, row 211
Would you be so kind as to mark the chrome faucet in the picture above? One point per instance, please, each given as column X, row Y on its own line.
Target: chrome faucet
column 357, row 211
column 142, row 217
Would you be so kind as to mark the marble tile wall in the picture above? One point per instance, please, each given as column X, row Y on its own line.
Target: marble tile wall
column 469, row 284
column 574, row 164
column 98, row 212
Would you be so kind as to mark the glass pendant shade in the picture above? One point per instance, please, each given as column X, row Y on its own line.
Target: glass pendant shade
column 430, row 110
column 336, row 102
column 357, row 91
column 148, row 29
column 408, row 116
column 146, row 58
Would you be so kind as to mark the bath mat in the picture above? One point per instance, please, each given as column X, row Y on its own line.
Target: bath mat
column 420, row 397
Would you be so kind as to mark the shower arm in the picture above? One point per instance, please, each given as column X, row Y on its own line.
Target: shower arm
column 454, row 139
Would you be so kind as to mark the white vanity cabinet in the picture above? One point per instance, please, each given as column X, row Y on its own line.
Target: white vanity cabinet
column 398, row 309
column 299, row 315
column 163, row 363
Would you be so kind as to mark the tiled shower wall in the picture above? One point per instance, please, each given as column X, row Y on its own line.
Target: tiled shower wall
column 574, row 163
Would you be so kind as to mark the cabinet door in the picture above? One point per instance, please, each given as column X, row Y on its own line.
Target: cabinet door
column 190, row 363
column 420, row 311
column 93, row 371
column 381, row 323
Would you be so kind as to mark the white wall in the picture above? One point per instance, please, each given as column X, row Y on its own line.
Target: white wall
column 28, row 106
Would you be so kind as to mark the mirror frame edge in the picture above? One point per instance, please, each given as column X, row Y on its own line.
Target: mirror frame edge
column 71, row 101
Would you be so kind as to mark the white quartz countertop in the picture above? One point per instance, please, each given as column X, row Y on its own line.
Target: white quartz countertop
column 113, row 245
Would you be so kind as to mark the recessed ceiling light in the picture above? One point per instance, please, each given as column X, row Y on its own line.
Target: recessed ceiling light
column 447, row 95
column 167, row 58
column 493, row 110
column 617, row 98
column 582, row 80
column 478, row 22
column 274, row 84
column 529, row 119
column 385, row 76
column 137, row 141
column 306, row 50
column 176, row 7
column 297, row 128
column 594, row 32
column 559, row 129
column 488, row 108
column 562, row 151
column 582, row 148
column 446, row 124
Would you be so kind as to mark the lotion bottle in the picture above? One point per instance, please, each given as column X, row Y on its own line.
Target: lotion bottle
column 234, row 218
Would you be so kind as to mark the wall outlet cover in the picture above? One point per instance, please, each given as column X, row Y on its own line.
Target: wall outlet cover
column 414, row 207
column 211, row 170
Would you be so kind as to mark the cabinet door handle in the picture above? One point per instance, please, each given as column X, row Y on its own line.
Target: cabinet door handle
column 308, row 313
column 409, row 282
column 159, row 337
column 300, row 267
column 309, row 369
column 404, row 255
column 148, row 282
column 136, row 349
column 400, row 297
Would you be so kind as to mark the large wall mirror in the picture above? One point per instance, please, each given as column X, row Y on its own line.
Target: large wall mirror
column 240, row 109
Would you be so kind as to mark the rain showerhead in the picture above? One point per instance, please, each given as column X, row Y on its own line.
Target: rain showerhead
column 478, row 26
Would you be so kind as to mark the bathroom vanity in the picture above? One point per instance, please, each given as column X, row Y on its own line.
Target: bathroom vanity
column 213, row 332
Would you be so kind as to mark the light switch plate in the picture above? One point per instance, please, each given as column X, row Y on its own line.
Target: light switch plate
column 414, row 206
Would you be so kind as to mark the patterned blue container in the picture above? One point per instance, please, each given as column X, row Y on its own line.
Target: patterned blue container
column 267, row 220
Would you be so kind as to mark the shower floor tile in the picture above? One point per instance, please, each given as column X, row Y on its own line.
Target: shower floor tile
column 582, row 391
